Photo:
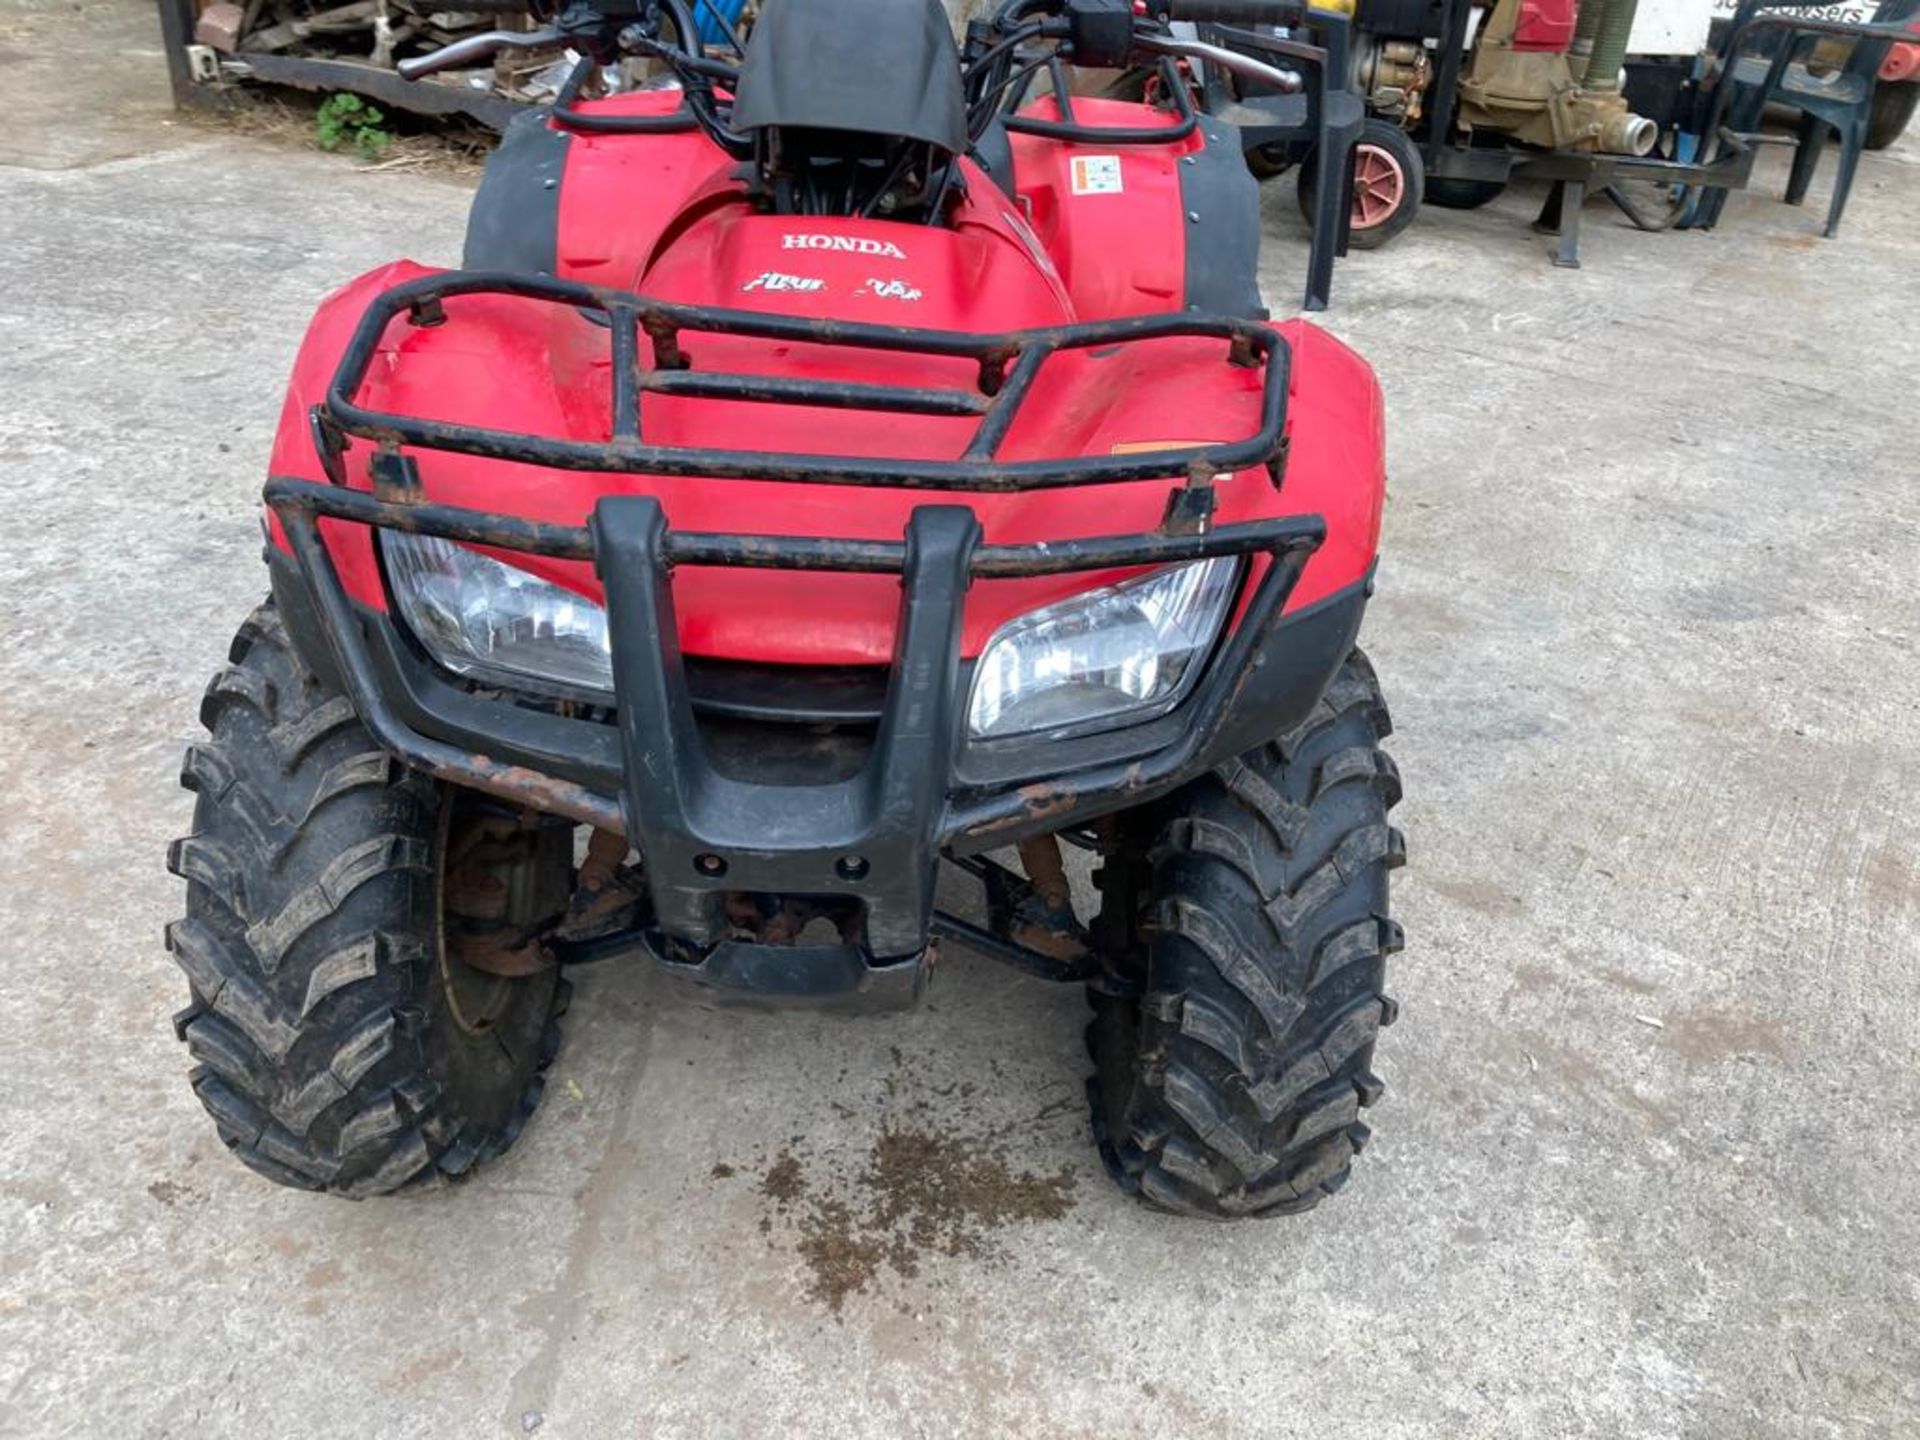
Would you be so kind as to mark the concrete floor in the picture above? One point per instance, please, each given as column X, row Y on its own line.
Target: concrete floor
column 1648, row 619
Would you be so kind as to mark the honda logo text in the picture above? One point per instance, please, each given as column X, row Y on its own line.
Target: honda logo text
column 849, row 244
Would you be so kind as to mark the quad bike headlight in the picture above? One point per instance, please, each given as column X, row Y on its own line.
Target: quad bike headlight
column 1114, row 656
column 495, row 622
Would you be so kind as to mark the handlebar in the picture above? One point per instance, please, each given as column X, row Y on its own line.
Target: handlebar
column 475, row 48
column 1287, row 82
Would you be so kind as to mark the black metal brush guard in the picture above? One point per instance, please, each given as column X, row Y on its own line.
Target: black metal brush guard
column 878, row 836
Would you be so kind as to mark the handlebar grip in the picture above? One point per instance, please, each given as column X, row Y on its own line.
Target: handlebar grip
column 1237, row 12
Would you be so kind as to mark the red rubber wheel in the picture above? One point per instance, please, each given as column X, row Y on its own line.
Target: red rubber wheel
column 1388, row 179
column 1379, row 186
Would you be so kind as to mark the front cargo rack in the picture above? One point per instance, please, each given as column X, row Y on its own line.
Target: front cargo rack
column 1008, row 364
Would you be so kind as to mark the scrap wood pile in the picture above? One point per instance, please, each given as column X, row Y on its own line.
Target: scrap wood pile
column 376, row 34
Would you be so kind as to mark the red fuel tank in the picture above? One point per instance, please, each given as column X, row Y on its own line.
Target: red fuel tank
column 1546, row 24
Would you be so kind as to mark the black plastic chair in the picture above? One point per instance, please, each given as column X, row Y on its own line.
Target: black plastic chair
column 1765, row 61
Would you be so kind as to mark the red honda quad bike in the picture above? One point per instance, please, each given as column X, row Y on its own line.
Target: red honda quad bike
column 815, row 472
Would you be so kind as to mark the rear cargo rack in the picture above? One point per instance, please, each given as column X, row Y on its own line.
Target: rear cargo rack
column 1008, row 364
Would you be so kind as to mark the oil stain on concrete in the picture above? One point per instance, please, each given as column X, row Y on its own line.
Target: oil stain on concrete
column 921, row 1193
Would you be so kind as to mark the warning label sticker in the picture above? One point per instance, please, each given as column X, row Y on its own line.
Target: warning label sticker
column 1096, row 175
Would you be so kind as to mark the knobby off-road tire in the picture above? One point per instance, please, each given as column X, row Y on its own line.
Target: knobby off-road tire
column 336, row 1050
column 1233, row 1086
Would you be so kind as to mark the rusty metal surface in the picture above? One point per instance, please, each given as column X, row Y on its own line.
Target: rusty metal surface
column 500, row 951
column 287, row 496
column 608, row 894
column 310, row 45
column 504, row 883
column 323, row 75
column 1083, row 969
column 533, row 788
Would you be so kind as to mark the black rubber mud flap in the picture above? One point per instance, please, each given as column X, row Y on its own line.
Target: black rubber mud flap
column 515, row 221
column 1220, row 207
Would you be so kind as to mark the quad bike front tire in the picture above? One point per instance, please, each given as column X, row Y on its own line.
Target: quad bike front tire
column 1257, row 895
column 338, row 1045
column 1388, row 178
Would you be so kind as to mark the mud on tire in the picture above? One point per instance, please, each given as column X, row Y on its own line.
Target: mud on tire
column 1234, row 1085
column 327, row 1049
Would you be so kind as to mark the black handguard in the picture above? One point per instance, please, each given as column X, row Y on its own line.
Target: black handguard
column 1100, row 33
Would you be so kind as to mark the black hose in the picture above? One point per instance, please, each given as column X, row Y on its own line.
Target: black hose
column 684, row 30
column 1010, row 11
column 705, row 110
column 980, row 68
column 980, row 114
column 1015, row 37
